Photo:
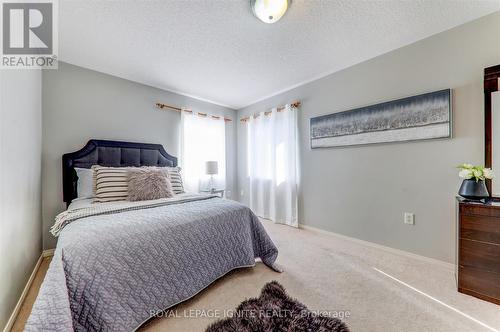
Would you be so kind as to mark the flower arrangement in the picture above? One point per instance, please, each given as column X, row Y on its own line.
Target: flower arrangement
column 478, row 173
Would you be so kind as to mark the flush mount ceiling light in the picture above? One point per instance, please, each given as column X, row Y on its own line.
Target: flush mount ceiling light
column 269, row 11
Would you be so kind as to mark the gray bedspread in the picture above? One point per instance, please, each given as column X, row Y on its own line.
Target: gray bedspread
column 111, row 272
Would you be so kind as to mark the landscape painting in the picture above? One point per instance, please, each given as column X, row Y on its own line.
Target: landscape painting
column 425, row 116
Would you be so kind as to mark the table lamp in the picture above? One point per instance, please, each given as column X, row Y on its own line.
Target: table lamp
column 211, row 168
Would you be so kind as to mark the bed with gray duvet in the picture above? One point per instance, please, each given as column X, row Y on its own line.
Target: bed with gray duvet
column 119, row 263
column 116, row 265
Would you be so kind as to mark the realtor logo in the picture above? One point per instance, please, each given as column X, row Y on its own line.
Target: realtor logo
column 29, row 38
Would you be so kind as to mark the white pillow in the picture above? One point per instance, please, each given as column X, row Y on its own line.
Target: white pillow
column 85, row 185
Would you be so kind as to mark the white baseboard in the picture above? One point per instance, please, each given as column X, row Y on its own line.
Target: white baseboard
column 13, row 316
column 19, row 303
column 382, row 247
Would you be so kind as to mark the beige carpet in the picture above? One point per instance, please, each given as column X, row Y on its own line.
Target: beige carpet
column 333, row 275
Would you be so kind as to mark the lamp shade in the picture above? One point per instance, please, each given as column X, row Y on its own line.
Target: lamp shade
column 211, row 167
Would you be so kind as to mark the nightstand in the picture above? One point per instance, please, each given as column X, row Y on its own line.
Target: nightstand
column 219, row 192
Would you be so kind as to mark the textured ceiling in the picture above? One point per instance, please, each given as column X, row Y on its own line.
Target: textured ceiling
column 216, row 50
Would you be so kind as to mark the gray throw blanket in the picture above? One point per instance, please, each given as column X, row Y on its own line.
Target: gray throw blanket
column 113, row 271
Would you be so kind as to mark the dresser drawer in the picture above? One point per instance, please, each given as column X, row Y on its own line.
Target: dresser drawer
column 480, row 255
column 480, row 283
column 480, row 228
column 479, row 210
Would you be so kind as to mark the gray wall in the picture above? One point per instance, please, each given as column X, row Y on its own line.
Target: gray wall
column 20, row 170
column 80, row 104
column 363, row 191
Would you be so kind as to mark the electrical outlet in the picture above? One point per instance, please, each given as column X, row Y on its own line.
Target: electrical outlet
column 242, row 193
column 409, row 218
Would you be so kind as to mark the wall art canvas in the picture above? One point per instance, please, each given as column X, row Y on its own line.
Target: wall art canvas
column 425, row 116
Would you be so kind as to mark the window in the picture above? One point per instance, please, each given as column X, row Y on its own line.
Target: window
column 203, row 139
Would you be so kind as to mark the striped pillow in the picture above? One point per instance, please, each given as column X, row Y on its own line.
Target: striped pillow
column 111, row 183
column 176, row 180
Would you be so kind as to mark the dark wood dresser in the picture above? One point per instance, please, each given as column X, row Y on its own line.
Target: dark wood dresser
column 478, row 249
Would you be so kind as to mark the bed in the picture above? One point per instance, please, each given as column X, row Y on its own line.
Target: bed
column 118, row 264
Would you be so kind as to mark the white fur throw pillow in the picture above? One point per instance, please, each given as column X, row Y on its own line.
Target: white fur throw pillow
column 147, row 184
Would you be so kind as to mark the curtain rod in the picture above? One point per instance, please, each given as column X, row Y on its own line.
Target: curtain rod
column 187, row 110
column 294, row 104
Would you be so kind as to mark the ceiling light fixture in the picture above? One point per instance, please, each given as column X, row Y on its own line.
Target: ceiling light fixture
column 269, row 11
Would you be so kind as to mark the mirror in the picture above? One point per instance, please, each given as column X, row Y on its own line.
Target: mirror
column 492, row 127
column 495, row 142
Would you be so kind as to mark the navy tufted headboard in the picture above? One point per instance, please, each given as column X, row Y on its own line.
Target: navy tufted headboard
column 110, row 153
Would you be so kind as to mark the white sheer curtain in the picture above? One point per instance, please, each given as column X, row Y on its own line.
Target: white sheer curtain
column 272, row 165
column 202, row 139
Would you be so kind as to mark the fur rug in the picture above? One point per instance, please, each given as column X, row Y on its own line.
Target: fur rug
column 275, row 311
